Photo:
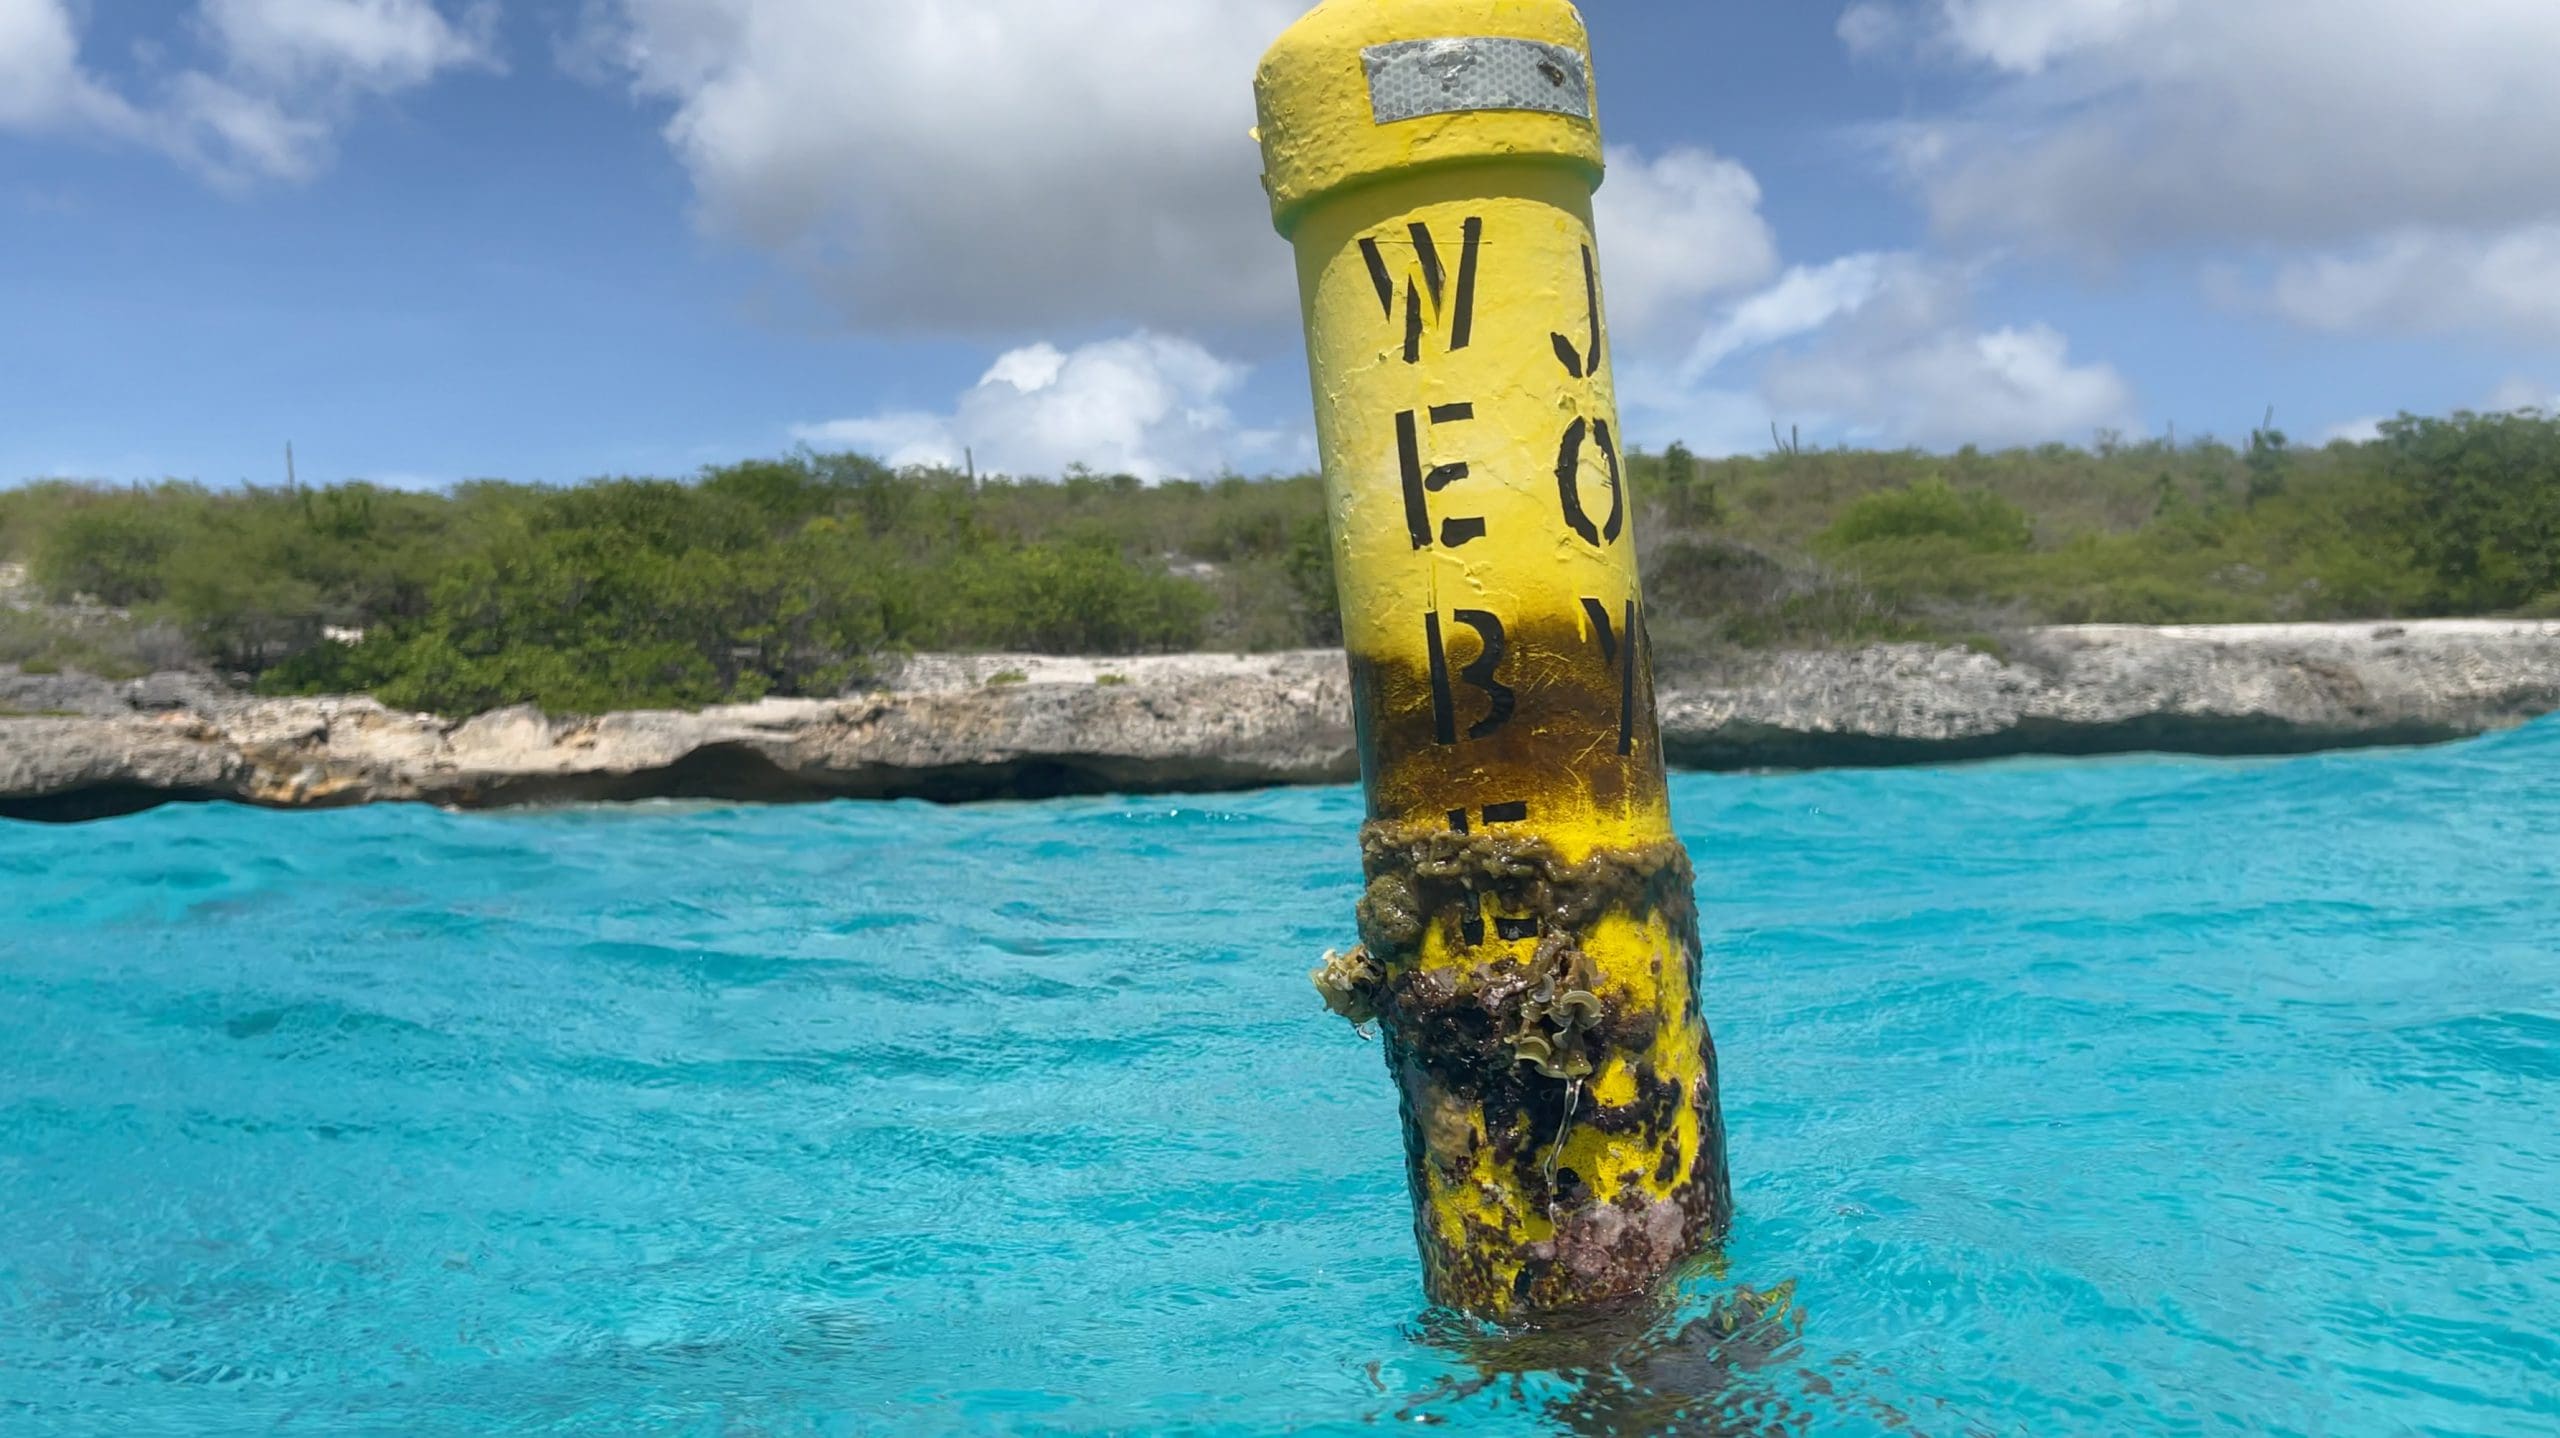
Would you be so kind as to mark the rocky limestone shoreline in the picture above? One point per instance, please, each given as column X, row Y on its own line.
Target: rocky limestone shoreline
column 979, row 727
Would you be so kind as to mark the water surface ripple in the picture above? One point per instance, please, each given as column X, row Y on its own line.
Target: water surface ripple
column 2128, row 1097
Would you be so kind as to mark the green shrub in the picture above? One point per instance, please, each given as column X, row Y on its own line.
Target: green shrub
column 603, row 599
column 1070, row 599
column 109, row 646
column 1708, row 575
column 1314, row 591
column 1978, row 519
column 2484, row 505
column 114, row 546
column 787, row 576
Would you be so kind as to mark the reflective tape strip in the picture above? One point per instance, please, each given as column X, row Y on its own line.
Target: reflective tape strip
column 1413, row 78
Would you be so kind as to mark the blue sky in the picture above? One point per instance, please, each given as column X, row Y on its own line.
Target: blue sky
column 548, row 239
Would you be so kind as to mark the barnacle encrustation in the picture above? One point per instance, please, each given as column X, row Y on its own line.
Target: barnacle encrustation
column 1559, row 1013
column 1391, row 915
column 1350, row 983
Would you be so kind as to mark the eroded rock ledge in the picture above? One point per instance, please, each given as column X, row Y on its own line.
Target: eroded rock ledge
column 1018, row 727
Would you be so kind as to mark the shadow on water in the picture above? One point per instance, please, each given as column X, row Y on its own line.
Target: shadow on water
column 1739, row 1369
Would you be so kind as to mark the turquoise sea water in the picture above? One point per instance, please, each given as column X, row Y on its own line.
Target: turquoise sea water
column 2129, row 1097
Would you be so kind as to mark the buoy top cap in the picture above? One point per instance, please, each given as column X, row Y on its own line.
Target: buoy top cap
column 1360, row 91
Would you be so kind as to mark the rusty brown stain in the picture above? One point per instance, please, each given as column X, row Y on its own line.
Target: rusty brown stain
column 1561, row 746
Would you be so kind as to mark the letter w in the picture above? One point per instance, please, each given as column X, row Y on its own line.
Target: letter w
column 1459, row 311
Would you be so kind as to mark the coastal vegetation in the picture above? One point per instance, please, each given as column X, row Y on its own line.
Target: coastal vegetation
column 798, row 575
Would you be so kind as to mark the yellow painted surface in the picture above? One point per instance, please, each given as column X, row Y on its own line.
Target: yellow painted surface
column 1317, row 132
column 1508, row 540
column 1484, row 542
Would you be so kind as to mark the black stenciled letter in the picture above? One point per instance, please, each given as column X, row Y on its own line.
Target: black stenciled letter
column 1569, row 482
column 1515, row 812
column 1584, row 363
column 1506, row 928
column 1459, row 309
column 1421, row 484
column 1484, row 674
column 1622, row 648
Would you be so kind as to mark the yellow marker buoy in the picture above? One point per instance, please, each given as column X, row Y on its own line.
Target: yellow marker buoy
column 1529, row 935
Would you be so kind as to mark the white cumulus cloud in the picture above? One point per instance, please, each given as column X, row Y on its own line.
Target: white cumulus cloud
column 1804, row 299
column 42, row 83
column 2427, row 280
column 1676, row 229
column 2117, row 127
column 1877, row 347
column 1149, row 405
column 2516, row 392
column 1908, row 365
column 1946, row 387
column 1873, row 27
column 373, row 44
column 2025, row 36
column 976, row 164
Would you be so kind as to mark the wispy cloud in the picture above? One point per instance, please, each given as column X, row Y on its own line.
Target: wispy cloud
column 280, row 80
